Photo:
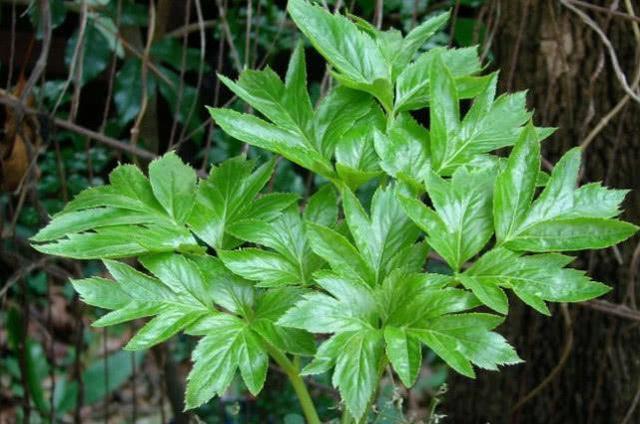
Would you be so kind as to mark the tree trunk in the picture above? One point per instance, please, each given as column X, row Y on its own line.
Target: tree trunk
column 544, row 46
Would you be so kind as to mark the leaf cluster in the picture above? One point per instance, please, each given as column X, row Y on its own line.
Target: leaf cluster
column 256, row 275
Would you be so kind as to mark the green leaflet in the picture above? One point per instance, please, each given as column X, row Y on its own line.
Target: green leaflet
column 260, row 133
column 338, row 251
column 563, row 217
column 336, row 114
column 413, row 88
column 415, row 39
column 177, row 298
column 461, row 224
column 465, row 339
column 515, row 185
column 351, row 307
column 357, row 59
column 261, row 307
column 286, row 104
column 405, row 353
column 404, row 150
column 131, row 216
column 228, row 195
column 357, row 370
column 298, row 133
column 383, row 234
column 290, row 261
column 173, row 185
column 489, row 125
column 322, row 207
column 216, row 358
column 349, row 310
column 356, row 159
column 533, row 278
column 384, row 239
column 395, row 317
column 397, row 50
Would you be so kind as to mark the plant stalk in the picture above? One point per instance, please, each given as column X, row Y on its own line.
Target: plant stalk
column 297, row 382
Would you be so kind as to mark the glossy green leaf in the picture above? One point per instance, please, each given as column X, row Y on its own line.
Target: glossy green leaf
column 413, row 87
column 269, row 268
column 227, row 290
column 357, row 370
column 270, row 307
column 404, row 150
column 322, row 207
column 260, row 133
column 356, row 159
column 562, row 218
column 229, row 195
column 461, row 224
column 515, row 185
column 355, row 56
column 416, row 38
column 178, row 298
column 532, row 278
column 382, row 235
column 349, row 308
column 215, row 360
column 341, row 255
column 131, row 216
column 404, row 352
column 291, row 260
column 489, row 125
column 173, row 184
column 286, row 104
column 336, row 114
column 407, row 299
column 465, row 339
column 444, row 112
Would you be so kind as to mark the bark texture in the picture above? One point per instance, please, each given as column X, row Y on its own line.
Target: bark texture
column 543, row 46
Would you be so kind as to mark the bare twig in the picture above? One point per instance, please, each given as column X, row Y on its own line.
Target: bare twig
column 379, row 11
column 41, row 64
column 621, row 311
column 135, row 130
column 79, row 69
column 183, row 64
column 634, row 404
column 605, row 10
column 222, row 12
column 112, row 74
column 607, row 43
column 216, row 98
column 604, row 121
column 454, row 20
column 189, row 28
column 75, row 70
column 203, row 48
column 127, row 46
column 103, row 139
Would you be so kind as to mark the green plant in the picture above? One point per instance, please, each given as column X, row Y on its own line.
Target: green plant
column 255, row 278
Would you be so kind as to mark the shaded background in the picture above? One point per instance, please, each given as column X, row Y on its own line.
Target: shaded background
column 95, row 82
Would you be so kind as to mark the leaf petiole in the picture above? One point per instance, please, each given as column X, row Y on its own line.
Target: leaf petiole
column 292, row 371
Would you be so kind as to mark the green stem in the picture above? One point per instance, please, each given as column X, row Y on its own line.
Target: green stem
column 346, row 417
column 300, row 388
